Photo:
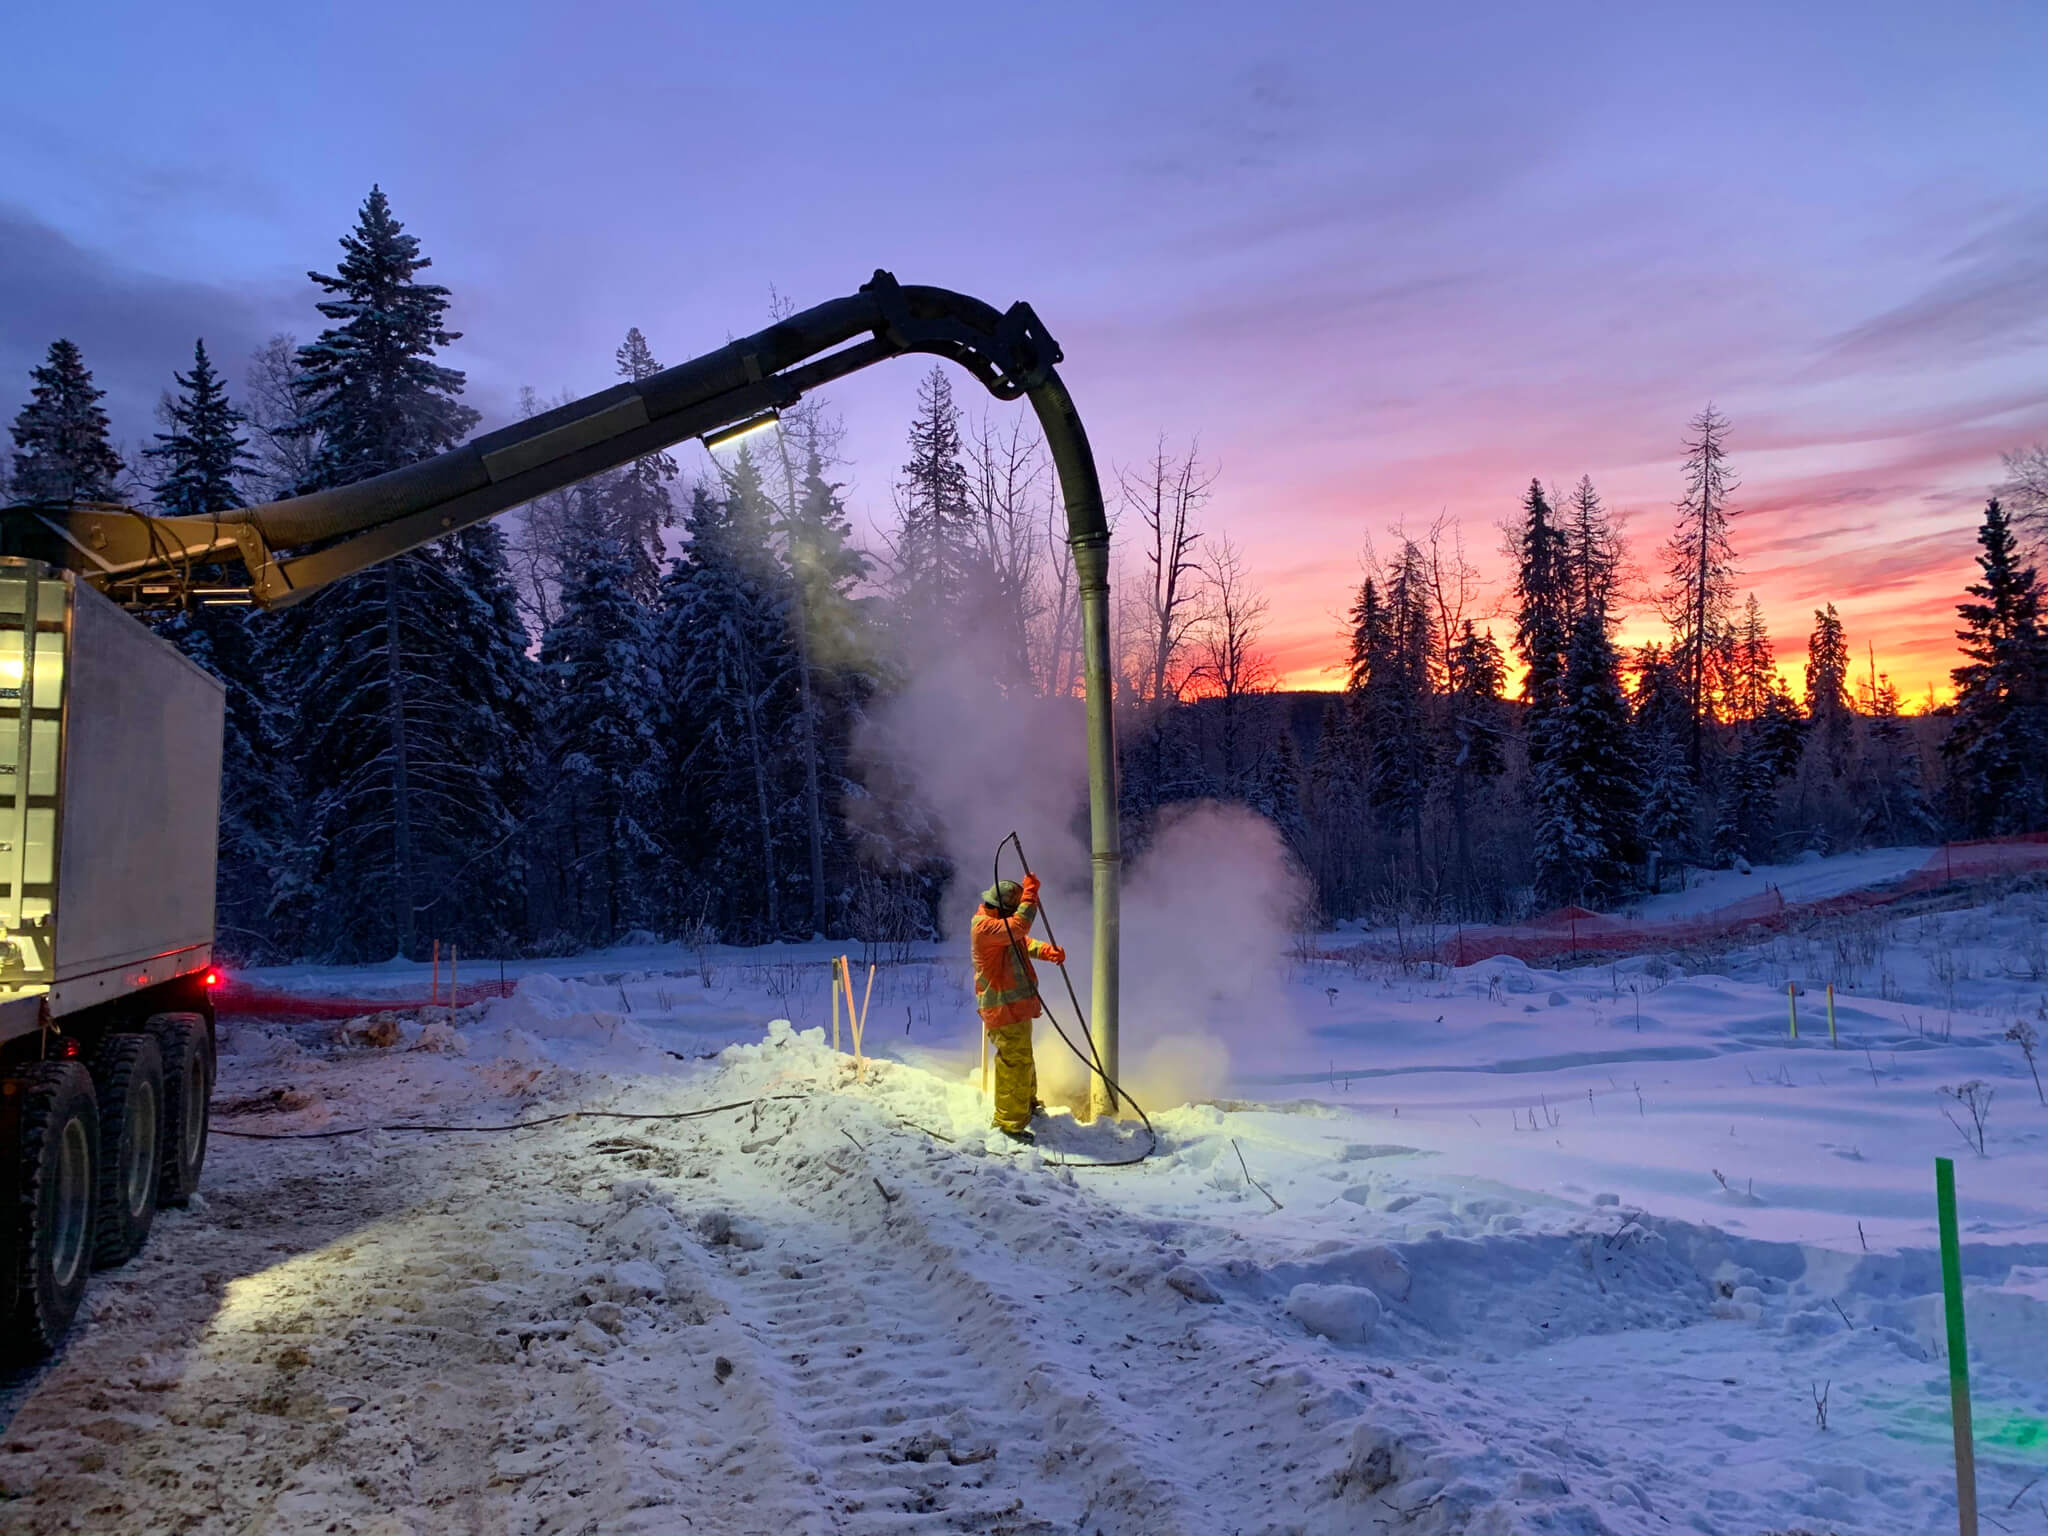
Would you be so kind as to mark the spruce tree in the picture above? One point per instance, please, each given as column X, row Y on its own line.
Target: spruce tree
column 1659, row 698
column 1591, row 549
column 1368, row 637
column 61, row 452
column 1274, row 789
column 1752, row 665
column 1475, row 738
column 1670, row 807
column 204, row 456
column 600, row 689
column 830, row 632
column 1747, row 803
column 1398, row 698
column 1997, row 749
column 1339, row 808
column 368, row 385
column 200, row 464
column 1662, row 720
column 1542, row 615
column 1768, row 734
column 412, row 717
column 1827, row 690
column 1588, row 787
column 631, row 506
column 727, row 701
column 1890, row 786
column 932, row 575
column 489, row 691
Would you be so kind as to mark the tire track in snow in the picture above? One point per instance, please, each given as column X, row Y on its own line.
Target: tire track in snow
column 1107, row 1450
column 898, row 1418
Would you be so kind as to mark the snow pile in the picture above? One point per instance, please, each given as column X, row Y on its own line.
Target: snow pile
column 550, row 1022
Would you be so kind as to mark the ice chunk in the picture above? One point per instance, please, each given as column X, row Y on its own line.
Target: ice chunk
column 1345, row 1314
column 1192, row 1283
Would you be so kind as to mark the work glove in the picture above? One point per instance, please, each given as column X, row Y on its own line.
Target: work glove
column 1030, row 887
column 1052, row 954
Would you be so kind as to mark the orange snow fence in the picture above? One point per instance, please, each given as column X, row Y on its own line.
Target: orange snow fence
column 235, row 998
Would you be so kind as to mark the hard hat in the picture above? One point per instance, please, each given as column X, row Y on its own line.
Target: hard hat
column 1003, row 896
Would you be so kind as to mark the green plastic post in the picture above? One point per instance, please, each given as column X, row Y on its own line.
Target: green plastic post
column 1792, row 1006
column 1958, row 1346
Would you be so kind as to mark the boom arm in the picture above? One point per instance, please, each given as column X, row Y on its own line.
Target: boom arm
column 294, row 547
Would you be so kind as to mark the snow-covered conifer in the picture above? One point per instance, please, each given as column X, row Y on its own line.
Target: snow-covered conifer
column 729, row 691
column 1997, row 750
column 61, row 452
column 601, row 693
column 412, row 703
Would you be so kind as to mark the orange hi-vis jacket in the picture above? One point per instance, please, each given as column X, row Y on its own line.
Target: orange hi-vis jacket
column 1003, row 995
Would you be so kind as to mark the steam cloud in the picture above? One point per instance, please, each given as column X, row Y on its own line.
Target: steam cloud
column 1207, row 907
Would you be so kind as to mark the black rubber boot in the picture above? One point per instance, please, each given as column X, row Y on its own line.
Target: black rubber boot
column 1022, row 1138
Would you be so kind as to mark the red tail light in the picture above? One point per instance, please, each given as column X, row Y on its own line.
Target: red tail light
column 68, row 1046
column 210, row 979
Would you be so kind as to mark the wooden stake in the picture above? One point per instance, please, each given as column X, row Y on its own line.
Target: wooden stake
column 853, row 1019
column 1792, row 1005
column 1831, row 1014
column 859, row 1063
column 434, row 987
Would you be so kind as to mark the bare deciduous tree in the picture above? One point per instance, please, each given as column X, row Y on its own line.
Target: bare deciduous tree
column 284, row 457
column 1453, row 583
column 1007, row 470
column 1166, row 494
column 542, row 534
column 1231, row 666
column 1059, row 642
column 2025, row 491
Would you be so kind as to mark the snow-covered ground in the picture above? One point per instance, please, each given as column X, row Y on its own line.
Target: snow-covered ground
column 1526, row 1251
column 1812, row 877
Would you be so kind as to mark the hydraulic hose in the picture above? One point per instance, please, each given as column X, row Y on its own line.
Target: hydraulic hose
column 1088, row 1059
column 515, row 1125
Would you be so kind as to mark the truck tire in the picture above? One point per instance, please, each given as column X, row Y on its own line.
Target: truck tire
column 53, row 1207
column 128, row 1071
column 188, row 1091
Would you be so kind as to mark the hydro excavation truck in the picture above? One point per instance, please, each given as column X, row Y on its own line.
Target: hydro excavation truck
column 110, row 750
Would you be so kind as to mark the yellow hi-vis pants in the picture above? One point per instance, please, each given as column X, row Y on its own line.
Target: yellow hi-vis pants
column 1016, row 1075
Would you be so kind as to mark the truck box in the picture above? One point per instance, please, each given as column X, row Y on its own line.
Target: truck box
column 110, row 759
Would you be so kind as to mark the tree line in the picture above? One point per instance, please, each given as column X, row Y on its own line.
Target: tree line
column 641, row 708
column 1613, row 772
